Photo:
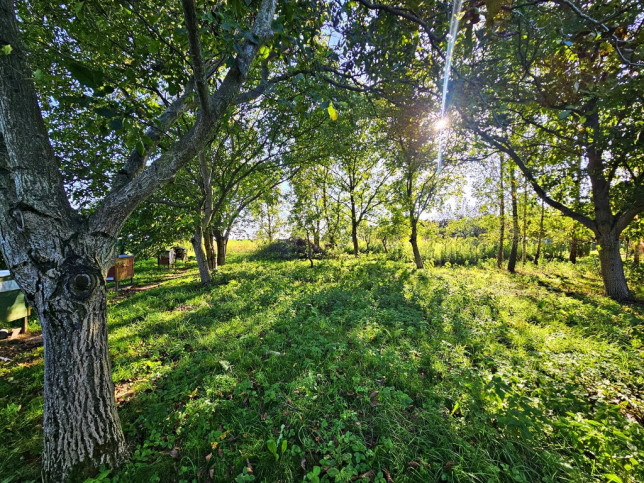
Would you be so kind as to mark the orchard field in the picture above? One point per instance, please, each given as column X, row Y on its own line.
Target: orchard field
column 360, row 370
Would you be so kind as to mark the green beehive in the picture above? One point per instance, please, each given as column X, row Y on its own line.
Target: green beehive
column 12, row 301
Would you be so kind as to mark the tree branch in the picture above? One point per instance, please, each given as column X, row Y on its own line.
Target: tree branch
column 196, row 58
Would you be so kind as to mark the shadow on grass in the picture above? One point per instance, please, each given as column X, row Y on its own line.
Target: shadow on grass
column 359, row 366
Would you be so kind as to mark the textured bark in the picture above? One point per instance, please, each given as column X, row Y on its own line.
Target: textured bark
column 81, row 425
column 200, row 255
column 60, row 257
column 222, row 247
column 612, row 268
column 512, row 261
column 537, row 255
column 499, row 256
column 413, row 239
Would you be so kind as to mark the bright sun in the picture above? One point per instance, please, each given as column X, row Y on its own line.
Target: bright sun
column 441, row 123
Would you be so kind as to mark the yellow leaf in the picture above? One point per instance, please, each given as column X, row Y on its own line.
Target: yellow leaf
column 333, row 114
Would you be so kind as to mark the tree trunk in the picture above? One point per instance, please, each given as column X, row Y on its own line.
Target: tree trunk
column 499, row 256
column 222, row 246
column 525, row 223
column 354, row 239
column 413, row 239
column 309, row 253
column 316, row 233
column 210, row 250
column 200, row 254
column 574, row 243
column 612, row 268
column 384, row 244
column 540, row 236
column 81, row 425
column 512, row 262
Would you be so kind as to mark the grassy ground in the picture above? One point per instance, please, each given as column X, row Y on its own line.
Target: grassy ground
column 361, row 370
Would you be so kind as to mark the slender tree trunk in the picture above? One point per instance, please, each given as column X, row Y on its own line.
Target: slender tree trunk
column 210, row 250
column 309, row 253
column 499, row 256
column 574, row 244
column 512, row 262
column 612, row 268
column 316, row 233
column 540, row 236
column 384, row 244
column 413, row 239
column 525, row 222
column 354, row 239
column 200, row 254
column 354, row 229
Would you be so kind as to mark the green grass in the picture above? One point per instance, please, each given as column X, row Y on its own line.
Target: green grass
column 279, row 372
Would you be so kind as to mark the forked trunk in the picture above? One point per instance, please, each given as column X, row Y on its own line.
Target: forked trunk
column 200, row 255
column 612, row 268
column 81, row 426
column 413, row 239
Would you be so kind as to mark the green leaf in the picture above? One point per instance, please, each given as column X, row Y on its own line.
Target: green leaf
column 140, row 147
column 564, row 114
column 6, row 49
column 284, row 445
column 84, row 75
column 264, row 51
column 612, row 477
column 116, row 124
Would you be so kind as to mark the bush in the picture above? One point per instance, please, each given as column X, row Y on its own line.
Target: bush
column 291, row 249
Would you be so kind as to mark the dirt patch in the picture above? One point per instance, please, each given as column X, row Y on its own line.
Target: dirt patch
column 10, row 348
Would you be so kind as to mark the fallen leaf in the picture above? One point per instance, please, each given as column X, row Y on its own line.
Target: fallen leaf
column 208, row 456
column 373, row 399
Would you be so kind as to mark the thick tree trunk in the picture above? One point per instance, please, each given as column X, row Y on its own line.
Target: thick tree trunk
column 540, row 236
column 413, row 239
column 81, row 425
column 512, row 262
column 499, row 256
column 200, row 254
column 612, row 268
column 222, row 246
